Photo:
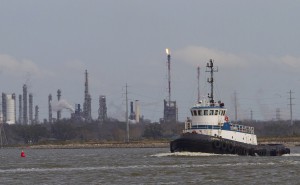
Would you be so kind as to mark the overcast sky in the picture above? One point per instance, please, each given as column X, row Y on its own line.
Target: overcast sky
column 255, row 44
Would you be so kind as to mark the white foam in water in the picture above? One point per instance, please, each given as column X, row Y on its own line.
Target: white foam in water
column 292, row 155
column 189, row 154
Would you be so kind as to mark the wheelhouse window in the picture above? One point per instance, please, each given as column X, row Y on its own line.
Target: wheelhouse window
column 211, row 112
column 195, row 112
column 221, row 112
column 216, row 112
column 205, row 112
column 199, row 112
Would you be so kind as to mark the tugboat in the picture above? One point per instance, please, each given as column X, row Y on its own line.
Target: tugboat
column 210, row 131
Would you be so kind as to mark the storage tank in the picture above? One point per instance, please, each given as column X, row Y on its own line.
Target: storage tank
column 10, row 108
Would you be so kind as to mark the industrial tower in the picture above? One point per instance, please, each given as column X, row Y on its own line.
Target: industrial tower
column 36, row 114
column 50, row 108
column 25, row 118
column 132, row 113
column 3, row 139
column 20, row 109
column 102, row 112
column 58, row 98
column 170, row 107
column 30, row 108
column 87, row 107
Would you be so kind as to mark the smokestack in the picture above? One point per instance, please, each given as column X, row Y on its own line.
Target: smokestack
column 102, row 112
column 169, row 74
column 20, row 109
column 87, row 112
column 25, row 117
column 4, row 107
column 58, row 98
column 131, row 107
column 30, row 108
column 50, row 108
column 36, row 115
column 137, row 111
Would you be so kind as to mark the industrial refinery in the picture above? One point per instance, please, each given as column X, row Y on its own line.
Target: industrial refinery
column 170, row 107
column 28, row 113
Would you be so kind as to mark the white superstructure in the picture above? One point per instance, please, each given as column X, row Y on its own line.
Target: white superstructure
column 212, row 120
column 209, row 118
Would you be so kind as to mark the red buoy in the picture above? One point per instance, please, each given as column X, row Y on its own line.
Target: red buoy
column 23, row 154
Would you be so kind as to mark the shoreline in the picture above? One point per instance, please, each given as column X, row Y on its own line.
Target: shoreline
column 125, row 145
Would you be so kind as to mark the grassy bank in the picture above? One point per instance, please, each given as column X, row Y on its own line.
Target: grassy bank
column 74, row 145
column 288, row 140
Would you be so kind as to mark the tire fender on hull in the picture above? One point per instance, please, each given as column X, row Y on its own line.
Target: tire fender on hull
column 217, row 144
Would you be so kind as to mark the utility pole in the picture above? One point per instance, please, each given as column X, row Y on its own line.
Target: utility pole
column 251, row 115
column 127, row 121
column 291, row 106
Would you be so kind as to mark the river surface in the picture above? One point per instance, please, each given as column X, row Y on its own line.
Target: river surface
column 143, row 166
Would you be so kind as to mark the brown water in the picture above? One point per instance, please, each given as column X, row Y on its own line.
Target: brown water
column 143, row 166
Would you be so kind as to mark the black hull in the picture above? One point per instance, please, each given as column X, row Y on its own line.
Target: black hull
column 209, row 144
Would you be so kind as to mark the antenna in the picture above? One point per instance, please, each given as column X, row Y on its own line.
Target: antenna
column 210, row 68
column 198, row 78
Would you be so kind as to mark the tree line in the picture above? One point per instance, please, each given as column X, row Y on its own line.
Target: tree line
column 114, row 130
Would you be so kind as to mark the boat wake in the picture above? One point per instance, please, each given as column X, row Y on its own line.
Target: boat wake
column 200, row 154
column 292, row 155
column 189, row 154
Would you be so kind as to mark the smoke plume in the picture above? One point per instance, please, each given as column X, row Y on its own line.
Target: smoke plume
column 60, row 105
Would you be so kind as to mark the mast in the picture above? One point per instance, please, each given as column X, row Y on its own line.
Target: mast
column 211, row 69
column 198, row 78
column 235, row 107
